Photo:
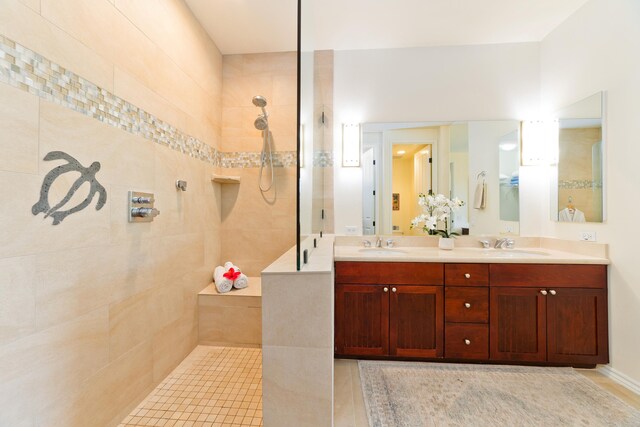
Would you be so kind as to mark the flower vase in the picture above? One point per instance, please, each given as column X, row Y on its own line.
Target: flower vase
column 445, row 243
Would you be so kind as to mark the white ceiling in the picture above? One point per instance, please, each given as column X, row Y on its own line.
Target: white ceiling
column 250, row 26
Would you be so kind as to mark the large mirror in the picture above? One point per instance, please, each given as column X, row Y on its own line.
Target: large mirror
column 577, row 190
column 475, row 161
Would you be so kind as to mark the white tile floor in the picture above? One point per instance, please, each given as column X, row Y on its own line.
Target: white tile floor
column 212, row 387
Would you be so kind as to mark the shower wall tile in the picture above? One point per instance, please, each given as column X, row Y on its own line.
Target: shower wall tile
column 46, row 365
column 18, row 302
column 87, row 21
column 187, row 44
column 63, row 294
column 27, row 27
column 107, row 396
column 33, row 4
column 90, row 140
column 22, row 233
column 128, row 87
column 96, row 311
column 18, row 131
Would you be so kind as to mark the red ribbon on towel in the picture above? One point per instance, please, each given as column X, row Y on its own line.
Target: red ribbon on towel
column 232, row 274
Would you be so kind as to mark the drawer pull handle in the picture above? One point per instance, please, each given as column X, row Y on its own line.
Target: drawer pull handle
column 467, row 305
column 386, row 289
column 467, row 341
column 552, row 292
column 393, row 289
column 543, row 292
column 467, row 275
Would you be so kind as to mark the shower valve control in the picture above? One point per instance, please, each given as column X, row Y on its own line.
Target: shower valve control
column 141, row 207
column 144, row 212
column 141, row 200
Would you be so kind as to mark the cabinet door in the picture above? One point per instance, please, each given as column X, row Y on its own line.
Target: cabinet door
column 362, row 320
column 577, row 326
column 416, row 321
column 518, row 324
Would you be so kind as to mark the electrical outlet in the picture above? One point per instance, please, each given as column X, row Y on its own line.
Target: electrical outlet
column 351, row 230
column 588, row 236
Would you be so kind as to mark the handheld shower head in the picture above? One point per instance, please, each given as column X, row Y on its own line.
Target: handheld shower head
column 259, row 101
column 261, row 123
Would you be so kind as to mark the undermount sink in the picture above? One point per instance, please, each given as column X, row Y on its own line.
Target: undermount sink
column 383, row 251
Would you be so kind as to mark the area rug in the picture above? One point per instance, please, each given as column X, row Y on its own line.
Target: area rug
column 413, row 394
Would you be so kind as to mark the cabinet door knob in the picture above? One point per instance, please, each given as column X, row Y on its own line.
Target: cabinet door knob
column 543, row 292
column 467, row 305
column 385, row 289
column 393, row 289
column 467, row 341
column 467, row 275
column 552, row 292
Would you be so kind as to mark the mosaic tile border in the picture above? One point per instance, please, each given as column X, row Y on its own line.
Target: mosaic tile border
column 31, row 72
column 251, row 159
column 579, row 184
column 323, row 159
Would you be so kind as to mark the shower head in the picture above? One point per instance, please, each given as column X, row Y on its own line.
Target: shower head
column 261, row 123
column 259, row 101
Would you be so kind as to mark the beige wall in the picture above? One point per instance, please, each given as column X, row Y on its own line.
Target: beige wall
column 257, row 227
column 596, row 49
column 96, row 311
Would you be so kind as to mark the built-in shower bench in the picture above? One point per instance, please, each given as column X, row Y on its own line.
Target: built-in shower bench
column 233, row 318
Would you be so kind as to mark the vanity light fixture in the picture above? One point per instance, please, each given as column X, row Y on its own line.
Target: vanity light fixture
column 539, row 142
column 351, row 145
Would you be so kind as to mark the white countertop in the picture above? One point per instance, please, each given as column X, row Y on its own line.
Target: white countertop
column 524, row 255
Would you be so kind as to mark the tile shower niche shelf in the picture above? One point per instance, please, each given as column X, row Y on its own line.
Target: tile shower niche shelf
column 225, row 179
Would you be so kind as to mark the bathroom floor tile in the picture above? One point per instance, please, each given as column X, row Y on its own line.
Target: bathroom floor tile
column 213, row 386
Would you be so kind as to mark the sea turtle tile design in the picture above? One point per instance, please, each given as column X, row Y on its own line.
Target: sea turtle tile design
column 86, row 175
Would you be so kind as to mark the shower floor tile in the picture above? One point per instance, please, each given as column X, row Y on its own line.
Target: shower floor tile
column 213, row 386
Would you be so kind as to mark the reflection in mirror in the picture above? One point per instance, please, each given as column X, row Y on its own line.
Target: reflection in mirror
column 578, row 190
column 509, row 164
column 477, row 162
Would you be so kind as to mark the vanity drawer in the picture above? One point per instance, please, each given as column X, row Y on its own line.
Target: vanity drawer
column 546, row 275
column 390, row 273
column 466, row 341
column 467, row 305
column 466, row 274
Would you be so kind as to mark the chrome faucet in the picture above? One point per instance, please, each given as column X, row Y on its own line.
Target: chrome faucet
column 485, row 243
column 378, row 242
column 505, row 242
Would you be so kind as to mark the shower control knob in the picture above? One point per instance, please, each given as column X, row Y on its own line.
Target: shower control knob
column 141, row 200
column 145, row 212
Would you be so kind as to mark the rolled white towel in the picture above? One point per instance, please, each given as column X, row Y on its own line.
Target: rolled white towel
column 223, row 284
column 241, row 281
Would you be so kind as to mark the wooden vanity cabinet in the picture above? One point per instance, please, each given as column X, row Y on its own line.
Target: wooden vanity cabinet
column 466, row 307
column 389, row 309
column 549, row 313
column 362, row 320
column 531, row 313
